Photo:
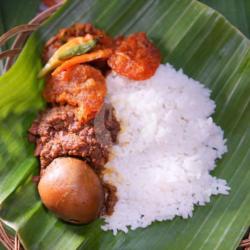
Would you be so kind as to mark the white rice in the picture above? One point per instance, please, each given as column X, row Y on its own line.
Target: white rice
column 167, row 147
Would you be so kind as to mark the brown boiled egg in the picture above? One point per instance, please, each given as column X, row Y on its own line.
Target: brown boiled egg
column 71, row 190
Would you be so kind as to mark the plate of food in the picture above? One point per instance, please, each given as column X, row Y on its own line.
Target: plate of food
column 125, row 125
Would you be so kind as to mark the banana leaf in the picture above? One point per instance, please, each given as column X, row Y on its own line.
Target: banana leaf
column 191, row 36
column 237, row 12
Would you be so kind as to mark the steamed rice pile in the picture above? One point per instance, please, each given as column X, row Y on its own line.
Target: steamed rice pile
column 167, row 147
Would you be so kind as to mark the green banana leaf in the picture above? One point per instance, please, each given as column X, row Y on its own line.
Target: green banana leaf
column 191, row 36
column 236, row 11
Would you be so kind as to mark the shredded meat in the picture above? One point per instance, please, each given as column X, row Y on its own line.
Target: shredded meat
column 135, row 57
column 110, row 199
column 57, row 132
